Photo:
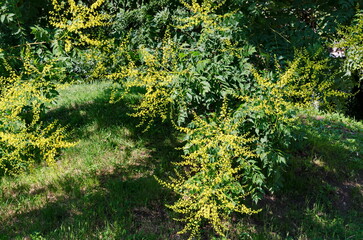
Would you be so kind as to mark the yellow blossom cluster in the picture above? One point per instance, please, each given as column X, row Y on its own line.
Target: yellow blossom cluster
column 85, row 25
column 203, row 14
column 296, row 87
column 299, row 86
column 76, row 18
column 308, row 84
column 210, row 187
column 100, row 59
column 157, row 76
column 271, row 99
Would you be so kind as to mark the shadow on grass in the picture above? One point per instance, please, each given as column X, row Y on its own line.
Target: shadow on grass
column 99, row 111
column 87, row 118
column 322, row 195
column 133, row 208
column 121, row 202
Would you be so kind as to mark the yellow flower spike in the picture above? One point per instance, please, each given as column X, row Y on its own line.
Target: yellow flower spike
column 206, row 189
column 203, row 14
column 157, row 78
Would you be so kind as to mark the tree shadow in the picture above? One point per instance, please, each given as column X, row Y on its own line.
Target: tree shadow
column 135, row 205
column 329, row 146
column 99, row 111
column 125, row 202
column 322, row 193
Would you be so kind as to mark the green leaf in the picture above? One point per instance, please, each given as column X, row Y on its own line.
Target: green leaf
column 2, row 18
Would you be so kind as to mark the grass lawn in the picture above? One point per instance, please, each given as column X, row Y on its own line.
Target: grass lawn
column 104, row 187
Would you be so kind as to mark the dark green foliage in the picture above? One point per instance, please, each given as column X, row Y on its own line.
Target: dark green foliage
column 276, row 28
column 148, row 20
column 17, row 17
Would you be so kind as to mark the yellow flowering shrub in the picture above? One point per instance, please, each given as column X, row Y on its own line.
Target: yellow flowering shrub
column 157, row 76
column 231, row 156
column 210, row 186
column 299, row 86
column 24, row 138
column 314, row 81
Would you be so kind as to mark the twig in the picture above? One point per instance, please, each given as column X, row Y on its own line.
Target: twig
column 34, row 43
column 287, row 40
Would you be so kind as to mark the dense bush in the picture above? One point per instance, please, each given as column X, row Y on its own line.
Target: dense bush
column 211, row 183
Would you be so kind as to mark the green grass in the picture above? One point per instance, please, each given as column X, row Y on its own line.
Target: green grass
column 103, row 188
